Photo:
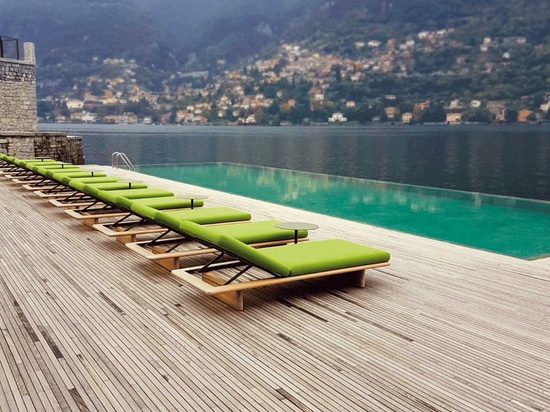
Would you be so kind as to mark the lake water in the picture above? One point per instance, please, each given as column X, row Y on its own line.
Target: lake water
column 462, row 184
column 508, row 160
column 507, row 225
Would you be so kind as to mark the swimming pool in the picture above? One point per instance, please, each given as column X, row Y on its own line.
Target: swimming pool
column 511, row 226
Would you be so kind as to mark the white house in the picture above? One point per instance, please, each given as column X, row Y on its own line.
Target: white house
column 89, row 117
column 337, row 117
column 454, row 118
column 406, row 117
column 75, row 104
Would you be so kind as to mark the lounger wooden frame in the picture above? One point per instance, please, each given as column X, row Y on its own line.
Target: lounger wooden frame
column 170, row 260
column 126, row 236
column 233, row 293
column 90, row 219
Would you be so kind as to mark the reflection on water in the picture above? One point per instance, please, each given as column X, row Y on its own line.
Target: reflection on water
column 506, row 160
column 513, row 226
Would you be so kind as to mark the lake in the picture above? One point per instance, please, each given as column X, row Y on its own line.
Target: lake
column 508, row 160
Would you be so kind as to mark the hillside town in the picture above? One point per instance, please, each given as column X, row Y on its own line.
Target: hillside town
column 297, row 86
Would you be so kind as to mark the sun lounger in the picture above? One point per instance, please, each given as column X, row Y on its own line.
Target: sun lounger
column 159, row 219
column 199, row 239
column 126, row 229
column 85, row 192
column 291, row 262
column 22, row 168
column 51, row 185
column 104, row 205
column 60, row 187
column 36, row 172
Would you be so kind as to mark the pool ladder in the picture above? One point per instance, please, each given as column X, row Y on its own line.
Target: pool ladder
column 117, row 156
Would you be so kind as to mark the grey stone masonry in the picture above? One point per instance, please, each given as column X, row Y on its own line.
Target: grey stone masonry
column 19, row 134
column 18, row 93
column 58, row 146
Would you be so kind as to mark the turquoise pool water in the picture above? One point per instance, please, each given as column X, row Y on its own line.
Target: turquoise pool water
column 511, row 226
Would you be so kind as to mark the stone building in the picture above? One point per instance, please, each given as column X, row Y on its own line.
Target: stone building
column 19, row 134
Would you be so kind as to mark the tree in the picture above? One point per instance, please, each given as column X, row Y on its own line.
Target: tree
column 477, row 115
column 274, row 109
column 433, row 114
column 512, row 115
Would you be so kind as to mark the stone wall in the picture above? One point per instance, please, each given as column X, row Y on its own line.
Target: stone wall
column 58, row 146
column 18, row 93
column 19, row 134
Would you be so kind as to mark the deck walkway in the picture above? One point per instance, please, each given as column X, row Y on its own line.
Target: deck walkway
column 86, row 324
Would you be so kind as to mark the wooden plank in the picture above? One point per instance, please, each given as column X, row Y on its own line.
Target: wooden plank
column 91, row 219
column 443, row 328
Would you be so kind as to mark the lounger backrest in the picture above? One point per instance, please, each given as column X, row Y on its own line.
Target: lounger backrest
column 45, row 170
column 160, row 203
column 144, row 211
column 110, row 196
column 257, row 232
column 199, row 232
column 66, row 180
column 94, row 189
column 254, row 256
column 219, row 214
column 166, row 219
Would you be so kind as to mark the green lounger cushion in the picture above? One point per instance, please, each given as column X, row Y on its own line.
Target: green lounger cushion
column 110, row 196
column 42, row 170
column 7, row 158
column 31, row 162
column 247, row 232
column 35, row 167
column 160, row 203
column 306, row 257
column 93, row 188
column 145, row 211
column 67, row 170
column 66, row 180
column 73, row 174
column 201, row 215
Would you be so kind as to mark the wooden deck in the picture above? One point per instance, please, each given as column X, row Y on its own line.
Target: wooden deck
column 87, row 324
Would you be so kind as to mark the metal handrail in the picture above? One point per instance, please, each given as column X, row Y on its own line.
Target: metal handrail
column 122, row 156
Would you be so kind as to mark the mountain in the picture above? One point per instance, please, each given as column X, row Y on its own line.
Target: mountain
column 160, row 35
column 423, row 49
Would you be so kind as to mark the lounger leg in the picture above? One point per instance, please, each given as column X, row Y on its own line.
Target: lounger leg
column 90, row 222
column 233, row 299
column 170, row 263
column 126, row 238
column 358, row 279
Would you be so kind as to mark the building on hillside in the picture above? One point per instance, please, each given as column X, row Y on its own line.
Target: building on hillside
column 391, row 112
column 524, row 115
column 75, row 104
column 337, row 117
column 497, row 109
column 454, row 117
column 88, row 117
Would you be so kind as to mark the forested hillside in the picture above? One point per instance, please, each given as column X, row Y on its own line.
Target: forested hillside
column 434, row 50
